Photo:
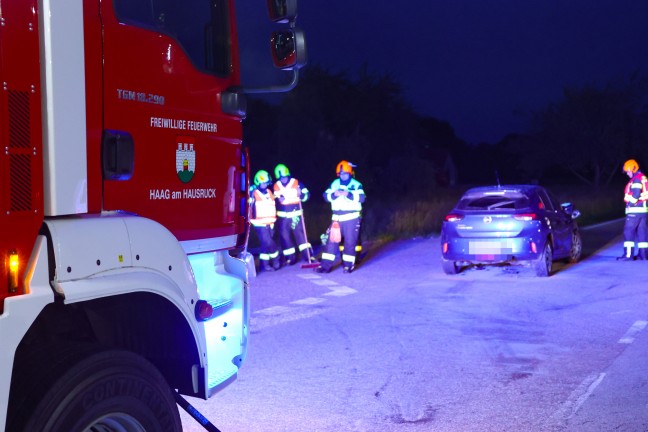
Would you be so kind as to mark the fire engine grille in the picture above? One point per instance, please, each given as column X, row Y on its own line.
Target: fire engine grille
column 19, row 115
column 20, row 181
column 20, row 154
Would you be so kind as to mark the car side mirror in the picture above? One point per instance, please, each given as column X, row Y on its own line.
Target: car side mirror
column 569, row 209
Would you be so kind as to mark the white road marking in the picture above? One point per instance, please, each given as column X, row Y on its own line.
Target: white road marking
column 274, row 310
column 275, row 315
column 309, row 301
column 324, row 282
column 578, row 397
column 258, row 323
column 340, row 291
column 629, row 336
column 309, row 276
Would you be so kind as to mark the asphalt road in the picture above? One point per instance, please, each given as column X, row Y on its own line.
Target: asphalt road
column 400, row 346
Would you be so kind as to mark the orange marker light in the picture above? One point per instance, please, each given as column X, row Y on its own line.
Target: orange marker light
column 14, row 266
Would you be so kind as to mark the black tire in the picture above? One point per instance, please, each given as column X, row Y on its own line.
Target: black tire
column 544, row 262
column 576, row 249
column 100, row 390
column 449, row 267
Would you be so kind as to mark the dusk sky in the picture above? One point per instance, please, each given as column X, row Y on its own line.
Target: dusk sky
column 474, row 63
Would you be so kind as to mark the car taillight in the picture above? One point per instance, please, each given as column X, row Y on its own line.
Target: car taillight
column 525, row 216
column 453, row 217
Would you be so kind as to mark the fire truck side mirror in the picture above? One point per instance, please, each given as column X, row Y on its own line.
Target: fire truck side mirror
column 282, row 11
column 117, row 155
column 288, row 48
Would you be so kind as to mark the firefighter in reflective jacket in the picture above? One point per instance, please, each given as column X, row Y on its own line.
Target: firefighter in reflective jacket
column 290, row 193
column 635, row 234
column 346, row 196
column 264, row 215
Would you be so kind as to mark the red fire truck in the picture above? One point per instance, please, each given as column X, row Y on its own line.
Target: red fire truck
column 123, row 211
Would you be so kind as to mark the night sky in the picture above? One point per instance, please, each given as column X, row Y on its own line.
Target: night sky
column 478, row 64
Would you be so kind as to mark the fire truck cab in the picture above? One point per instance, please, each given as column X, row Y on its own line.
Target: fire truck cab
column 123, row 208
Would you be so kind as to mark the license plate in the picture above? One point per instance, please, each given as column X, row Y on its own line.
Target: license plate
column 490, row 247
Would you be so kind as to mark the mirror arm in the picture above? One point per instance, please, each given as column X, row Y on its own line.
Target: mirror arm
column 273, row 89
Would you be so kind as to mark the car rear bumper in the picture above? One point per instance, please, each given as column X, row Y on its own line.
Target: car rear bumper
column 490, row 250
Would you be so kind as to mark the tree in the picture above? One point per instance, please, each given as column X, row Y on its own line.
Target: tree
column 329, row 117
column 590, row 132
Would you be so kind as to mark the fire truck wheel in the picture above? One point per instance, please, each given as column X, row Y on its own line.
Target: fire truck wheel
column 106, row 391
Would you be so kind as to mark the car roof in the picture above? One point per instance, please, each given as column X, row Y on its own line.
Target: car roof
column 520, row 188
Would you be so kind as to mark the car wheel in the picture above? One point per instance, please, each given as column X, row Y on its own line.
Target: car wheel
column 449, row 267
column 544, row 262
column 576, row 247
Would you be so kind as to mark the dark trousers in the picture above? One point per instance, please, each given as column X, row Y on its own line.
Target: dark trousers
column 635, row 234
column 350, row 232
column 269, row 251
column 289, row 228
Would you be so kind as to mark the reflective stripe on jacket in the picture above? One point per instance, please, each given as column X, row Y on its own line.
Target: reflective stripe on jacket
column 293, row 192
column 636, row 194
column 289, row 214
column 263, row 208
column 345, row 207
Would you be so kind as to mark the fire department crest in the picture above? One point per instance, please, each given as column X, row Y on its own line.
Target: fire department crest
column 185, row 161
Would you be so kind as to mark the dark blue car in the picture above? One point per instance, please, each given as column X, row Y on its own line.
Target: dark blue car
column 510, row 224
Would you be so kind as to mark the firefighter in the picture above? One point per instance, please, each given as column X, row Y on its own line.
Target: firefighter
column 290, row 193
column 264, row 215
column 346, row 196
column 635, row 197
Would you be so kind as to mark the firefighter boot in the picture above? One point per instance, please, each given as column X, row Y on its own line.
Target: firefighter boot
column 625, row 257
column 266, row 267
column 642, row 255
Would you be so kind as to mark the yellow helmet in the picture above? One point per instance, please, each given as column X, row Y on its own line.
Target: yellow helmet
column 631, row 165
column 261, row 176
column 281, row 170
column 344, row 166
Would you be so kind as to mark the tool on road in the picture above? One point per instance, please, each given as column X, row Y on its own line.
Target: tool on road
column 312, row 262
column 193, row 412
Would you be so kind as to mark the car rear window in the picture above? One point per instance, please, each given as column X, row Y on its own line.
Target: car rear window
column 508, row 201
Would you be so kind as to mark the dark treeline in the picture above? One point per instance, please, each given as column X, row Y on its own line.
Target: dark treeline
column 583, row 138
